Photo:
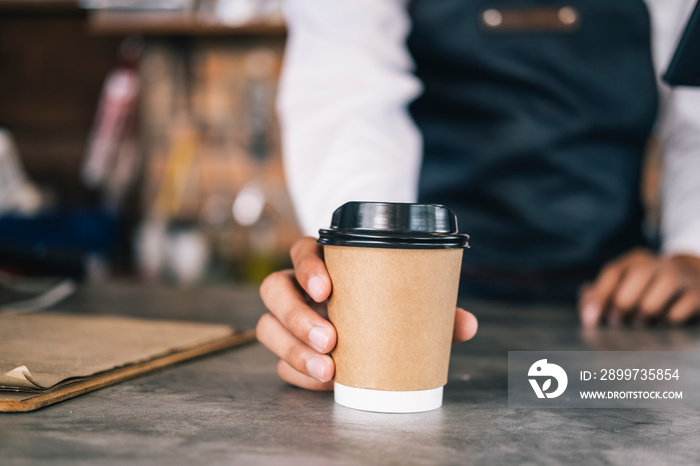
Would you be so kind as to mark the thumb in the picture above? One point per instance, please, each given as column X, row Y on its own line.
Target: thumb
column 465, row 327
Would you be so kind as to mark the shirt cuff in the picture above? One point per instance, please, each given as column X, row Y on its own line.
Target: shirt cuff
column 684, row 242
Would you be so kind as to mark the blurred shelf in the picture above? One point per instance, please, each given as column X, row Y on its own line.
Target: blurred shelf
column 38, row 5
column 163, row 23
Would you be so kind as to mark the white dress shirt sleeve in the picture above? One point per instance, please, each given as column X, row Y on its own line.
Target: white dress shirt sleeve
column 344, row 92
column 679, row 133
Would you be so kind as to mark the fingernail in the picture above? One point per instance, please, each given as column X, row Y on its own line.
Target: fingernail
column 317, row 368
column 589, row 315
column 316, row 286
column 319, row 338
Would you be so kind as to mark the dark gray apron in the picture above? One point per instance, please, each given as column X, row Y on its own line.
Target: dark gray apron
column 534, row 123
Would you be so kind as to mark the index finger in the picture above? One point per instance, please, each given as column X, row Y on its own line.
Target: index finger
column 596, row 297
column 310, row 270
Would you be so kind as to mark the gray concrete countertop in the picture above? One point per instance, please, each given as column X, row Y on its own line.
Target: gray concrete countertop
column 230, row 407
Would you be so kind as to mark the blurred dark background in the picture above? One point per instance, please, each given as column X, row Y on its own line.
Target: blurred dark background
column 139, row 139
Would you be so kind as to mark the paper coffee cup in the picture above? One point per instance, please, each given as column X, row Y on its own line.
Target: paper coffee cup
column 395, row 274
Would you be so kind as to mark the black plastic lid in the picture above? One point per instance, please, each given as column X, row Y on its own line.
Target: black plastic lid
column 393, row 225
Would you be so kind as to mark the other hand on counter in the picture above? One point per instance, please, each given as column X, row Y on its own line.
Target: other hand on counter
column 642, row 287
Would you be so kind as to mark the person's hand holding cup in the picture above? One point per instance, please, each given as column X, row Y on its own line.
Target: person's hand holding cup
column 296, row 328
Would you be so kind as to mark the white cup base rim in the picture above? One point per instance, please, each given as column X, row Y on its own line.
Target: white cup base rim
column 385, row 401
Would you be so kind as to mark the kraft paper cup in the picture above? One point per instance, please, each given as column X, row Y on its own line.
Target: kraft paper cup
column 395, row 274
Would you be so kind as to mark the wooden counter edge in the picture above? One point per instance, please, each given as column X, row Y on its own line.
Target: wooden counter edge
column 125, row 373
